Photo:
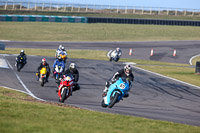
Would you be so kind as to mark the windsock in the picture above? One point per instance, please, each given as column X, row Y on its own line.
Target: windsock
column 174, row 54
column 151, row 52
column 131, row 51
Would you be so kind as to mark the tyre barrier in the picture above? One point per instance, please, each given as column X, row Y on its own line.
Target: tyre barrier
column 2, row 46
column 143, row 21
column 42, row 18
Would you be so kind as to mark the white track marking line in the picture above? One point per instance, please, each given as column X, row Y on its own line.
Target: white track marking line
column 190, row 61
column 29, row 92
column 197, row 87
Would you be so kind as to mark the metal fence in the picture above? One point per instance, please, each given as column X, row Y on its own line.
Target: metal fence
column 58, row 7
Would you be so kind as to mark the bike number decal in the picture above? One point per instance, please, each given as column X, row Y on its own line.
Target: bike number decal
column 122, row 86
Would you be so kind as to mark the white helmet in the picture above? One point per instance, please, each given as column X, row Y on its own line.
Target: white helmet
column 118, row 49
column 63, row 48
column 127, row 69
column 60, row 47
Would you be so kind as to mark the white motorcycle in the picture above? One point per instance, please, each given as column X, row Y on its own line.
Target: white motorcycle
column 113, row 55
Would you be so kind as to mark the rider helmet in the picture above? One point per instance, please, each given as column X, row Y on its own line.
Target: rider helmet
column 63, row 48
column 43, row 61
column 59, row 58
column 117, row 49
column 22, row 52
column 72, row 67
column 127, row 69
column 60, row 47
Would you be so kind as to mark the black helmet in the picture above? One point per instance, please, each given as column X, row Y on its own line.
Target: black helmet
column 72, row 67
column 59, row 58
column 127, row 69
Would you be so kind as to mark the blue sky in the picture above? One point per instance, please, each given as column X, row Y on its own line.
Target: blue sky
column 189, row 4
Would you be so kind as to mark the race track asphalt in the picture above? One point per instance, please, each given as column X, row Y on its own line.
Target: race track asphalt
column 151, row 96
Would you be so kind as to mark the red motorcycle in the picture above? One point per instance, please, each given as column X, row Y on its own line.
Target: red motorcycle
column 65, row 88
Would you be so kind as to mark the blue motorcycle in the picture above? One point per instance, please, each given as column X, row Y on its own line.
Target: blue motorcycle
column 115, row 93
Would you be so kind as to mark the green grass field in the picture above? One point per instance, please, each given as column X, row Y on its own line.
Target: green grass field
column 44, row 31
column 22, row 114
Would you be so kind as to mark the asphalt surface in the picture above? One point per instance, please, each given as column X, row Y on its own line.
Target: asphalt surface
column 152, row 96
column 163, row 50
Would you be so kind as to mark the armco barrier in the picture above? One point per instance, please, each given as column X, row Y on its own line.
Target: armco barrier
column 41, row 18
column 143, row 21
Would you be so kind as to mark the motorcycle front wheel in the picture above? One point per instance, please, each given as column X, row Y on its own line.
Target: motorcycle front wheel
column 113, row 100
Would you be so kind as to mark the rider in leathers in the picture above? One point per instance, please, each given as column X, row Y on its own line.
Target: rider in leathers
column 118, row 51
column 58, row 62
column 75, row 73
column 125, row 72
column 46, row 65
column 23, row 55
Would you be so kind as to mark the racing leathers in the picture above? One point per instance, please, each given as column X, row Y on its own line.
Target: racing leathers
column 115, row 77
column 42, row 65
column 75, row 74
column 59, row 63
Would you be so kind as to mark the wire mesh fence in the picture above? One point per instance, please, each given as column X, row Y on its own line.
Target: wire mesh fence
column 58, row 7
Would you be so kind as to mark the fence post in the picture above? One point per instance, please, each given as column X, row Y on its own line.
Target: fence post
column 94, row 8
column 185, row 12
column 20, row 6
column 72, row 8
column 79, row 8
column 150, row 11
column 142, row 10
column 126, row 10
column 159, row 11
column 133, row 10
column 65, row 8
column 14, row 5
column 6, row 5
column 176, row 12
column 43, row 6
column 35, row 6
column 118, row 9
column 167, row 11
column 193, row 12
column 50, row 7
column 28, row 6
column 86, row 9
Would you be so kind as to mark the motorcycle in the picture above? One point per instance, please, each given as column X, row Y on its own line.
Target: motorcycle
column 112, row 55
column 65, row 88
column 62, row 54
column 115, row 93
column 43, row 75
column 19, row 63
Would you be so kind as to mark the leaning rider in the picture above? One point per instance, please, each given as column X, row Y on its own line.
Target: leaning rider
column 42, row 65
column 125, row 72
column 75, row 73
column 118, row 52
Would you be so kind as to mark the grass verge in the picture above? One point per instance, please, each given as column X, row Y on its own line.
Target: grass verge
column 21, row 113
column 47, row 31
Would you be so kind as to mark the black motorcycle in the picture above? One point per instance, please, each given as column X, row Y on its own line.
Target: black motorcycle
column 20, row 62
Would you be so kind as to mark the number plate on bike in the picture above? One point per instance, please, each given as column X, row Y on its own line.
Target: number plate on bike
column 122, row 86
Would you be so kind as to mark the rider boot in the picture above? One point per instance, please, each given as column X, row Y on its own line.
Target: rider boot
column 105, row 91
column 110, row 59
column 126, row 95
